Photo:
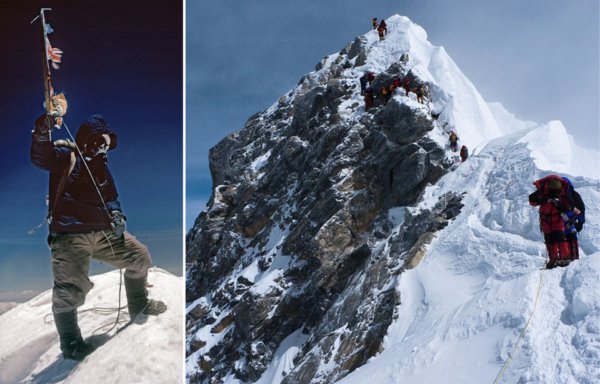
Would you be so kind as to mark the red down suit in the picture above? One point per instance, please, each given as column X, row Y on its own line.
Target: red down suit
column 550, row 213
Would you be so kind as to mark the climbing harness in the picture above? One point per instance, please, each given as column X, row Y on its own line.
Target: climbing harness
column 526, row 325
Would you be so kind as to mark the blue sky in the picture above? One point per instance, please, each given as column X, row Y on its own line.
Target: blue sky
column 538, row 58
column 125, row 62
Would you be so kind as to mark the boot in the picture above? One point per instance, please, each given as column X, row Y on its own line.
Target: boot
column 574, row 248
column 552, row 255
column 563, row 250
column 137, row 299
column 71, row 343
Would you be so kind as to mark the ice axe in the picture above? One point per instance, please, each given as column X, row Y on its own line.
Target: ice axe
column 56, row 105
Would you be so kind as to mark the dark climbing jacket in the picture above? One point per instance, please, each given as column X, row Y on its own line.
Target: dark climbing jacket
column 576, row 221
column 79, row 209
column 551, row 206
column 464, row 152
column 382, row 26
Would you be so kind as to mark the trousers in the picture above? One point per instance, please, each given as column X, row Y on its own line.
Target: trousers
column 71, row 255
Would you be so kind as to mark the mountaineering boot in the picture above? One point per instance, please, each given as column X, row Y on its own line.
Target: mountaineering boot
column 71, row 343
column 574, row 249
column 565, row 255
column 552, row 255
column 137, row 299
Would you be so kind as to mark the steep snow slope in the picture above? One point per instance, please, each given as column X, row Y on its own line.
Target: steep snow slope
column 148, row 352
column 507, row 122
column 465, row 305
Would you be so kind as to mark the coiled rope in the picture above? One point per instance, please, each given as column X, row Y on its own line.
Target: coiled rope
column 526, row 325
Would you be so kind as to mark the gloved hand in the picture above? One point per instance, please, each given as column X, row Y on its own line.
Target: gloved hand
column 45, row 123
column 118, row 223
column 578, row 226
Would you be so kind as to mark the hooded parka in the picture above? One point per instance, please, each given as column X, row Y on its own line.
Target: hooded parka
column 79, row 209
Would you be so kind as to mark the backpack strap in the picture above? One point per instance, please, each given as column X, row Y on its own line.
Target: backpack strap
column 59, row 189
column 63, row 179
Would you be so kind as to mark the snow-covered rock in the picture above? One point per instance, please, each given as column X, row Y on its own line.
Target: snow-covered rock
column 149, row 351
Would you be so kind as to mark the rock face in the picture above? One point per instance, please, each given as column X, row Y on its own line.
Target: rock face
column 304, row 204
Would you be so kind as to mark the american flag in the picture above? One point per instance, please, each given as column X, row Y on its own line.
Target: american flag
column 54, row 54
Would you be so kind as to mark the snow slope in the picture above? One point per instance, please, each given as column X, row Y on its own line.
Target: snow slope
column 465, row 305
column 148, row 352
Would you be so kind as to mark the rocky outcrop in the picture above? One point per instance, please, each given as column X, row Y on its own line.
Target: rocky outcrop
column 293, row 236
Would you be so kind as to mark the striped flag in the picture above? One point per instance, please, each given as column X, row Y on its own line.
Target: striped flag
column 54, row 54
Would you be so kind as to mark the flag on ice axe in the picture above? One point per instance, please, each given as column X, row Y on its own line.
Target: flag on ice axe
column 55, row 104
column 54, row 54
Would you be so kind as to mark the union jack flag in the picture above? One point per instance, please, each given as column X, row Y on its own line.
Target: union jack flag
column 54, row 54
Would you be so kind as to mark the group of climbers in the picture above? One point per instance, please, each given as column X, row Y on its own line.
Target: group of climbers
column 382, row 28
column 387, row 91
column 368, row 77
column 464, row 152
column 562, row 215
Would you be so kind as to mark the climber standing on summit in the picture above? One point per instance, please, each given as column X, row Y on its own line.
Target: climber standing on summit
column 554, row 202
column 374, row 23
column 381, row 29
column 86, row 222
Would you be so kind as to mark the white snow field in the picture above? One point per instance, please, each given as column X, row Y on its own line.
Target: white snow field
column 465, row 305
column 148, row 351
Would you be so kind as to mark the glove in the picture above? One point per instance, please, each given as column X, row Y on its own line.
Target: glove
column 45, row 123
column 578, row 226
column 118, row 223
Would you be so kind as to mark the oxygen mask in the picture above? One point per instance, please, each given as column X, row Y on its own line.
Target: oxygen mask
column 97, row 145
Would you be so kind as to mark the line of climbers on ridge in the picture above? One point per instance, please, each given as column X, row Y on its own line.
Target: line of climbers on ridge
column 420, row 90
column 386, row 93
column 381, row 28
column 562, row 215
column 367, row 92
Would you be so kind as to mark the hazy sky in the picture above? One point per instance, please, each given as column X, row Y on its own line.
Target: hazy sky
column 123, row 60
column 540, row 59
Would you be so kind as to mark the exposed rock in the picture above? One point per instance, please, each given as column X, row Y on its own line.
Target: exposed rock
column 357, row 47
column 416, row 253
column 297, row 242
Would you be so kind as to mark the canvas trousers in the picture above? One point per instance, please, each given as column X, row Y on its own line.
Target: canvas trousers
column 71, row 255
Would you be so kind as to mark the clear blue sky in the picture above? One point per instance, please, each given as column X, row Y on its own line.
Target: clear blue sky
column 123, row 60
column 540, row 59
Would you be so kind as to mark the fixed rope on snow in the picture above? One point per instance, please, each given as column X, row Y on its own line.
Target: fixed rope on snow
column 526, row 325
